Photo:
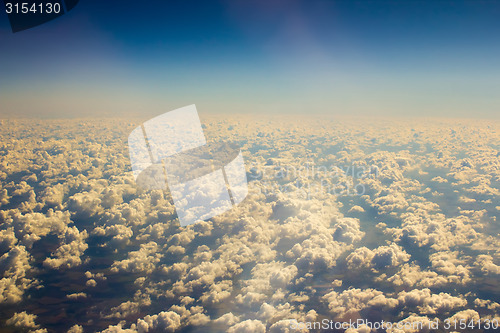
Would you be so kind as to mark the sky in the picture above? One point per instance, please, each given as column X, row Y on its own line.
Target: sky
column 367, row 58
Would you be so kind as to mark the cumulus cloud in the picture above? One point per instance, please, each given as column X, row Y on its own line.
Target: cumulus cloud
column 31, row 227
column 217, row 293
column 76, row 296
column 85, row 204
column 489, row 304
column 142, row 260
column 359, row 258
column 23, row 320
column 429, row 303
column 381, row 257
column 486, row 264
column 7, row 239
column 440, row 233
column 354, row 300
column 411, row 240
column 15, row 266
column 410, row 275
column 166, row 321
column 227, row 319
column 248, row 326
column 75, row 329
column 266, row 279
column 466, row 315
column 69, row 254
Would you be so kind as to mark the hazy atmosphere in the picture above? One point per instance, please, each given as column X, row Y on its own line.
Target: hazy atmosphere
column 391, row 58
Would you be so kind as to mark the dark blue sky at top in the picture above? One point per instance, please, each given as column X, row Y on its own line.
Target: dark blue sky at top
column 390, row 54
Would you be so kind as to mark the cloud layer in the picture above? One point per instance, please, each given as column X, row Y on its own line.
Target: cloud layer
column 343, row 220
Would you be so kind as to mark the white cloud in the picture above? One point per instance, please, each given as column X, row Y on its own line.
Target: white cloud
column 69, row 254
column 15, row 266
column 248, row 326
column 354, row 300
column 485, row 263
column 429, row 303
column 381, row 257
column 276, row 255
column 227, row 319
column 76, row 296
column 142, row 260
column 23, row 320
column 75, row 329
column 165, row 321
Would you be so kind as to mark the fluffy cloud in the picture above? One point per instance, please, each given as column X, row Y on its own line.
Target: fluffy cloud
column 304, row 244
column 75, row 329
column 440, row 233
column 31, row 227
column 381, row 257
column 217, row 293
column 248, row 326
column 85, row 205
column 354, row 300
column 410, row 275
column 69, row 254
column 76, row 296
column 23, row 320
column 466, row 315
column 143, row 260
column 7, row 239
column 15, row 266
column 227, row 319
column 486, row 265
column 265, row 280
column 429, row 303
column 168, row 321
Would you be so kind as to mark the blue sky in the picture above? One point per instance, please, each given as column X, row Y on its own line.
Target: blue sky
column 377, row 58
